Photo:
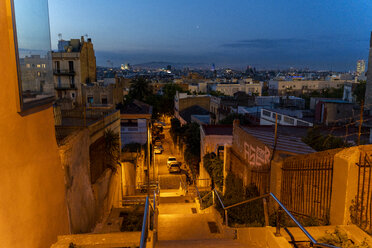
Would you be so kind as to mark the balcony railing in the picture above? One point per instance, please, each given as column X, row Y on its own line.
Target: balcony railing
column 64, row 72
column 65, row 87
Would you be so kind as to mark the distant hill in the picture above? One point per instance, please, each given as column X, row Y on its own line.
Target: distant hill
column 159, row 65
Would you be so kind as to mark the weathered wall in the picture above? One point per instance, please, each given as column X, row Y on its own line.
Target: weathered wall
column 87, row 62
column 203, row 102
column 107, row 192
column 33, row 207
column 74, row 155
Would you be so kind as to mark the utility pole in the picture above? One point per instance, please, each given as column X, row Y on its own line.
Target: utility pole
column 361, row 121
column 148, row 159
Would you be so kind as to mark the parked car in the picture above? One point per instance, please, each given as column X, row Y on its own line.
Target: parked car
column 158, row 143
column 171, row 160
column 175, row 168
column 158, row 149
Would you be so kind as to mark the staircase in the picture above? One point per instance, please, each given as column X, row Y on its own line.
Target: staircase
column 180, row 224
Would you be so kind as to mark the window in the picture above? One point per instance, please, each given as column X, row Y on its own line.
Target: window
column 104, row 100
column 57, row 66
column 302, row 123
column 266, row 113
column 71, row 66
column 90, row 99
column 72, row 82
column 32, row 42
column 289, row 120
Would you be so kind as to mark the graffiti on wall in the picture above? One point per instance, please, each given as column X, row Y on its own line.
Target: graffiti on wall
column 255, row 155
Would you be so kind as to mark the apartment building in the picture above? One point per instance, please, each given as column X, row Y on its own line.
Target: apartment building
column 296, row 88
column 74, row 64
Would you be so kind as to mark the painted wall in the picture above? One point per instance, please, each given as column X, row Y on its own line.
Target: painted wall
column 33, row 205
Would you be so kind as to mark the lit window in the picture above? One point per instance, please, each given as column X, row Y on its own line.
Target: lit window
column 28, row 66
column 38, row 66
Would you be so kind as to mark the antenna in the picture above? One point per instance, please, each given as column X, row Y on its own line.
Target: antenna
column 86, row 36
column 60, row 36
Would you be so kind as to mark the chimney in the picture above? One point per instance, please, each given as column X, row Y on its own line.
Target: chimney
column 82, row 39
column 236, row 123
column 89, row 40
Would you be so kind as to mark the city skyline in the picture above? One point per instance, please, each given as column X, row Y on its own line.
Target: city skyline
column 313, row 34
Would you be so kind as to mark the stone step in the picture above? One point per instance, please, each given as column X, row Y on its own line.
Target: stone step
column 205, row 243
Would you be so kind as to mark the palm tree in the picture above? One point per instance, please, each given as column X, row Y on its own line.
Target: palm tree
column 139, row 89
column 112, row 149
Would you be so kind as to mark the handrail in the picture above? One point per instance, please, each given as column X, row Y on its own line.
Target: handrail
column 303, row 229
column 218, row 196
column 246, row 201
column 144, row 224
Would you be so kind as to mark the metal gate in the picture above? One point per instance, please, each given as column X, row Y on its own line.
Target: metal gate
column 307, row 184
column 361, row 210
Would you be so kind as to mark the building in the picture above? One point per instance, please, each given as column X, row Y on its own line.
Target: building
column 74, row 64
column 36, row 73
column 334, row 112
column 229, row 89
column 361, row 68
column 285, row 117
column 101, row 94
column 368, row 96
column 252, row 150
column 33, row 197
column 213, row 139
column 296, row 88
column 196, row 113
column 183, row 101
column 135, row 122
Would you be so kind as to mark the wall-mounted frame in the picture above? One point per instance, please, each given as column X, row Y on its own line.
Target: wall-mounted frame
column 33, row 53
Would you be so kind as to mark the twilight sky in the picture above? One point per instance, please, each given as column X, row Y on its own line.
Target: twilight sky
column 320, row 34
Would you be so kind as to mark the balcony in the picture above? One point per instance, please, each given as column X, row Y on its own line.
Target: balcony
column 64, row 72
column 65, row 87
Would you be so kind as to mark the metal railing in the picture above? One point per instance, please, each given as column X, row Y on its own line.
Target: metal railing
column 146, row 221
column 313, row 241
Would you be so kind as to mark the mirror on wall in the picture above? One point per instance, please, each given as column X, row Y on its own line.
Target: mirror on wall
column 32, row 39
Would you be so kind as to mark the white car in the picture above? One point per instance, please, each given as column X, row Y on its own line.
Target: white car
column 158, row 149
column 171, row 160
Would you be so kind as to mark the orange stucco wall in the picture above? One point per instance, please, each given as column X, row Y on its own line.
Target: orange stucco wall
column 32, row 192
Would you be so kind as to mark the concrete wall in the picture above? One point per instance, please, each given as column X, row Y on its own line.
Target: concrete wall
column 33, row 206
column 344, row 184
column 74, row 155
column 202, row 101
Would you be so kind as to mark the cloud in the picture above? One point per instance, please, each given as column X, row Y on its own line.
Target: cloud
column 267, row 43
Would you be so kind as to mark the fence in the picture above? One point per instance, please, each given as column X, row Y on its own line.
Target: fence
column 307, row 184
column 260, row 177
column 257, row 175
column 361, row 211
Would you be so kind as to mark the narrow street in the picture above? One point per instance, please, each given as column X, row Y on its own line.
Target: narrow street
column 180, row 222
column 170, row 184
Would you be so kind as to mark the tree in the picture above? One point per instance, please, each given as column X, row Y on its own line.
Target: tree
column 228, row 120
column 360, row 91
column 319, row 142
column 214, row 167
column 112, row 149
column 139, row 89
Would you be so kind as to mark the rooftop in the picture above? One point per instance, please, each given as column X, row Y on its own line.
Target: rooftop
column 136, row 107
column 335, row 101
column 193, row 110
column 218, row 129
column 289, row 138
